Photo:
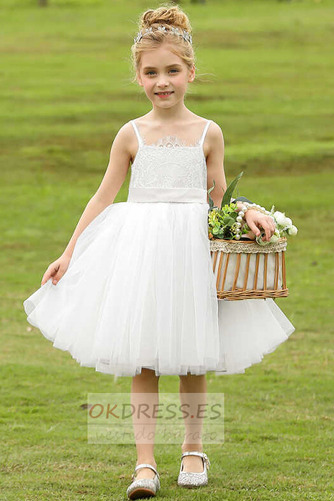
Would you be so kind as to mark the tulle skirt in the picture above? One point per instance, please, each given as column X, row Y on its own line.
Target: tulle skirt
column 139, row 292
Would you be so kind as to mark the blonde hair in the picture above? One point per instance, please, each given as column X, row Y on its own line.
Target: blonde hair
column 166, row 15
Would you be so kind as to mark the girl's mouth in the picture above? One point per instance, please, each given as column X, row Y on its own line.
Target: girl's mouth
column 164, row 94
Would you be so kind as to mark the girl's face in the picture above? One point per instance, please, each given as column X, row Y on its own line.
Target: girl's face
column 163, row 71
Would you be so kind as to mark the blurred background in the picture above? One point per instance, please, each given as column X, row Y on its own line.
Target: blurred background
column 265, row 75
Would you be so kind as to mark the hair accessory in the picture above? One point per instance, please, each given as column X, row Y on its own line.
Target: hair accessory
column 173, row 29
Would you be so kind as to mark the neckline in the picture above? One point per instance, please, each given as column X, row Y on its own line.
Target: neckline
column 180, row 146
column 172, row 137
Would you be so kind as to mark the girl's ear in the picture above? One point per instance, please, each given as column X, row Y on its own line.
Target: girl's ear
column 139, row 80
column 191, row 76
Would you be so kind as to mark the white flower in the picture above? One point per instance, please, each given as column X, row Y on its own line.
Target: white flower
column 288, row 222
column 279, row 217
column 293, row 230
column 260, row 241
column 282, row 220
column 275, row 237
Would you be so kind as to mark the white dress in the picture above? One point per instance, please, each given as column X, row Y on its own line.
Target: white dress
column 140, row 290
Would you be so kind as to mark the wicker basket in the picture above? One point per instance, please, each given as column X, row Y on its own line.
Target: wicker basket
column 247, row 270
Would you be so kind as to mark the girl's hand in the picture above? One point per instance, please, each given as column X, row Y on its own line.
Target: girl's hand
column 56, row 269
column 258, row 222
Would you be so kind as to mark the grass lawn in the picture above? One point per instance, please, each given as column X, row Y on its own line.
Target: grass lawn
column 265, row 76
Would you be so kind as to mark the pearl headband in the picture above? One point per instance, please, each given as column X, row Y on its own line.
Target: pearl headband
column 184, row 34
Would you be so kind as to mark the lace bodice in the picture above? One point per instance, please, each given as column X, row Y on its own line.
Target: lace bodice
column 169, row 170
column 171, row 142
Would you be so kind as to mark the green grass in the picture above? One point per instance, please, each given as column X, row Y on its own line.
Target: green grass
column 265, row 75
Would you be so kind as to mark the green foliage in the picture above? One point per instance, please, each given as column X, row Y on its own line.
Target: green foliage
column 230, row 189
column 228, row 193
column 221, row 222
column 211, row 202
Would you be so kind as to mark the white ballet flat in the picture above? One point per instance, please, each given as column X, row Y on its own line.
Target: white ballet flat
column 190, row 479
column 143, row 487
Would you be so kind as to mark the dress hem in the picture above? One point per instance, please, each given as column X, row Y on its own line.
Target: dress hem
column 189, row 370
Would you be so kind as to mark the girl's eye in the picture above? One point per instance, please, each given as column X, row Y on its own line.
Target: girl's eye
column 150, row 72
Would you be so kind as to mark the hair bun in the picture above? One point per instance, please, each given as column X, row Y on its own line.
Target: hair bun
column 165, row 15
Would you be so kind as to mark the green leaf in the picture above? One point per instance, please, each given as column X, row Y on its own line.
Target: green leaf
column 228, row 221
column 211, row 202
column 229, row 190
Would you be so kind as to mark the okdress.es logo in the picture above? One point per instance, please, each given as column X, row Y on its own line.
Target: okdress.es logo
column 164, row 418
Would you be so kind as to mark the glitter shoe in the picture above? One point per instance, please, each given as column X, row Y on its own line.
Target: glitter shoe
column 190, row 479
column 144, row 487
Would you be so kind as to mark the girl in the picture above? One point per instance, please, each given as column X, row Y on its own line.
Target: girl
column 133, row 293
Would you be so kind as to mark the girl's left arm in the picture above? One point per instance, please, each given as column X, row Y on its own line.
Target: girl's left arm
column 215, row 171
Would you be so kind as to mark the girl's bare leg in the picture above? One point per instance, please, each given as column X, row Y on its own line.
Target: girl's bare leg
column 193, row 437
column 146, row 382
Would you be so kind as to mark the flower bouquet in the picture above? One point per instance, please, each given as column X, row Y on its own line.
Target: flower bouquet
column 245, row 266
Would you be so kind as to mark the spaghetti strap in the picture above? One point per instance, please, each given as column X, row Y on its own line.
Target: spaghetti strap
column 204, row 132
column 140, row 141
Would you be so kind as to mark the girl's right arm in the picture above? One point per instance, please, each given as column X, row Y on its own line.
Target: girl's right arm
column 111, row 183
